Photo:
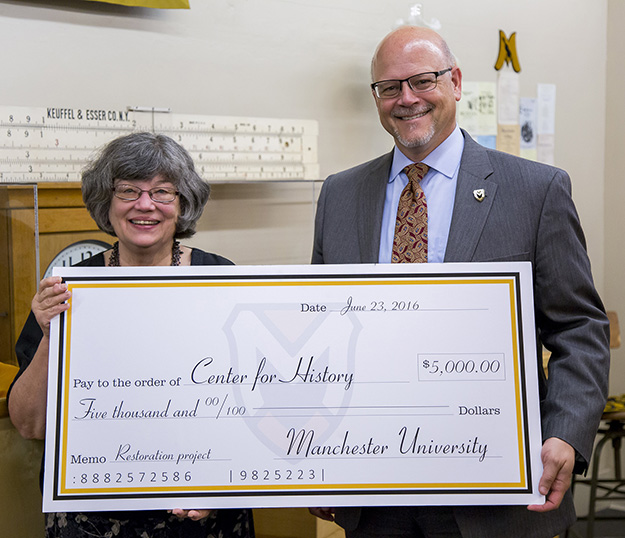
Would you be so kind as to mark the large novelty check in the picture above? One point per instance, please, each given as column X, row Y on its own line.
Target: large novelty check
column 211, row 387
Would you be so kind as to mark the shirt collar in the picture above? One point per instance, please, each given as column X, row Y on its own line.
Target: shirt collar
column 444, row 159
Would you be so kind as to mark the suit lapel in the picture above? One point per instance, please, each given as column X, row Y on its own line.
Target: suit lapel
column 469, row 214
column 371, row 195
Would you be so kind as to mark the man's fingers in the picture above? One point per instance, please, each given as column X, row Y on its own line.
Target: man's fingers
column 323, row 513
column 558, row 461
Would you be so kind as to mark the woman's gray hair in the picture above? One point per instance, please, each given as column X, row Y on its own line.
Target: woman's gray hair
column 142, row 156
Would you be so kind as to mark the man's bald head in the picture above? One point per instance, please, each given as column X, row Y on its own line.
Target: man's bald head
column 415, row 38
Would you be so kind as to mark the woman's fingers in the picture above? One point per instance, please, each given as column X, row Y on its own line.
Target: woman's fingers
column 194, row 515
column 50, row 301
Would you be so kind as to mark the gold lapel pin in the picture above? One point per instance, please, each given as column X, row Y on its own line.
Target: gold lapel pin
column 479, row 194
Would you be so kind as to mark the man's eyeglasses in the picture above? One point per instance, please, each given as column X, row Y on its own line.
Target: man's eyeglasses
column 423, row 82
column 162, row 195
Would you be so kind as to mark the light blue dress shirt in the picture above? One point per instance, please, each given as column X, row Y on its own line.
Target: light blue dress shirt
column 439, row 186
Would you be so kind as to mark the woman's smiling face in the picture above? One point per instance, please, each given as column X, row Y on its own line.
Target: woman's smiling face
column 145, row 225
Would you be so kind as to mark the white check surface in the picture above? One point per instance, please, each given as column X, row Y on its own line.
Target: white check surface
column 293, row 386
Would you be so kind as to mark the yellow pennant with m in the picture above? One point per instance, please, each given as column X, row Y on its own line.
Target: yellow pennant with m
column 507, row 52
column 158, row 4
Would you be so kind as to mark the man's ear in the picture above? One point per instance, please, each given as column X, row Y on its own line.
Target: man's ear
column 456, row 80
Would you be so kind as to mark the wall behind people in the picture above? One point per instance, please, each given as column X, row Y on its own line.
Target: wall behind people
column 306, row 59
column 614, row 294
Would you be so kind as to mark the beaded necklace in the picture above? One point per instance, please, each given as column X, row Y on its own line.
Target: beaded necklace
column 176, row 252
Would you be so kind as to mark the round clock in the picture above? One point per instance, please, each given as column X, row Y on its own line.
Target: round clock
column 76, row 252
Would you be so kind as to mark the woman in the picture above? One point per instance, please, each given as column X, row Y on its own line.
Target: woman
column 143, row 189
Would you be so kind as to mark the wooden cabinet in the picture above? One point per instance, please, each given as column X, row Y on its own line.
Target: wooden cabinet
column 57, row 210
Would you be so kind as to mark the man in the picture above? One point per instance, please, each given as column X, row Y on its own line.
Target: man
column 481, row 205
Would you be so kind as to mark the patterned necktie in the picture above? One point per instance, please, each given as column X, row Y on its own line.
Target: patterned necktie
column 411, row 227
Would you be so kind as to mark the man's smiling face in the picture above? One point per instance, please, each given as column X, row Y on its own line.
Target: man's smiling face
column 418, row 122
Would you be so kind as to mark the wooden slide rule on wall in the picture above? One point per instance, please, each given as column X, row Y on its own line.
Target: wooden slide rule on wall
column 54, row 144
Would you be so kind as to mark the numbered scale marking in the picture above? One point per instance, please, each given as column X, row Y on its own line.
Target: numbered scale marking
column 54, row 144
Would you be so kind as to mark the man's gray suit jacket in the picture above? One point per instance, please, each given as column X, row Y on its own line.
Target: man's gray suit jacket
column 526, row 215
